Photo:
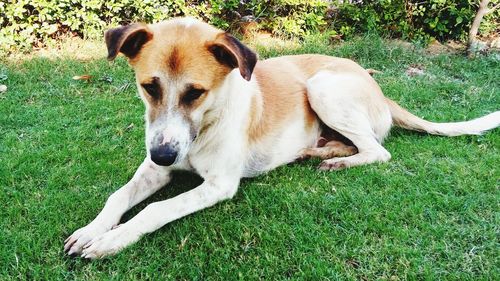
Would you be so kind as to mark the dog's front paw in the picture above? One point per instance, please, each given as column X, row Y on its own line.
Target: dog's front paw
column 110, row 242
column 75, row 242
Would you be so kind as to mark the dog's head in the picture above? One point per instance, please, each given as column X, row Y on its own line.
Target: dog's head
column 179, row 65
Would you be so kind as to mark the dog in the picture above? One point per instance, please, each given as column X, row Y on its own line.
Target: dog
column 213, row 108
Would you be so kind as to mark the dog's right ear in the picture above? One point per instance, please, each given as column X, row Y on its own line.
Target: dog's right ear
column 231, row 52
column 127, row 39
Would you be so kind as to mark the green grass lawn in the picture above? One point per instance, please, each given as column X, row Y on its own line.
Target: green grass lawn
column 432, row 212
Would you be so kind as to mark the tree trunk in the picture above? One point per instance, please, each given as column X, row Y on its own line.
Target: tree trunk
column 483, row 10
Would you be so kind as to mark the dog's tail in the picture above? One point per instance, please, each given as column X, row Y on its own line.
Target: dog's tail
column 402, row 118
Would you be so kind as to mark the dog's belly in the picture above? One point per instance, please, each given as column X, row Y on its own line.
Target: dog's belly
column 281, row 147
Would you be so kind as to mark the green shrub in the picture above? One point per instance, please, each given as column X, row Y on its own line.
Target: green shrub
column 413, row 19
column 283, row 17
column 31, row 22
column 26, row 23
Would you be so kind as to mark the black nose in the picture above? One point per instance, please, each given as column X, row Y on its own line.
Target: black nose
column 163, row 155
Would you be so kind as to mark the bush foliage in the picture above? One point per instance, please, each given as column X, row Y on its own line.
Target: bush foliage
column 32, row 22
column 415, row 19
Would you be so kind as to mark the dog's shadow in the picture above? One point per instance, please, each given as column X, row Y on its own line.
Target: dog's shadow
column 181, row 182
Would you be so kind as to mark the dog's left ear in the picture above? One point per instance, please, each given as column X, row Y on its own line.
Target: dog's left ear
column 231, row 52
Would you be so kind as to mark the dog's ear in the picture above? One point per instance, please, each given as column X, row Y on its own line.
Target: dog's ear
column 231, row 52
column 127, row 39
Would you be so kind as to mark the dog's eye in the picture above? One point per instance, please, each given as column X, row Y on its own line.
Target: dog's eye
column 192, row 95
column 152, row 89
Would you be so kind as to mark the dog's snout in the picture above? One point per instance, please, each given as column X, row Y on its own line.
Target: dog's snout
column 164, row 155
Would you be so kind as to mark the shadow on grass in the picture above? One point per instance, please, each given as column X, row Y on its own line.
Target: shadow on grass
column 182, row 181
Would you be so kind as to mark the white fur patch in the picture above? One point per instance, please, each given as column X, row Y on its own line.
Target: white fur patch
column 187, row 22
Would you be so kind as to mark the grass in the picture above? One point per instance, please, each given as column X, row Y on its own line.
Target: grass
column 432, row 212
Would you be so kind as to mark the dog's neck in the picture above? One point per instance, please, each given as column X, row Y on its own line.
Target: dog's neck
column 234, row 101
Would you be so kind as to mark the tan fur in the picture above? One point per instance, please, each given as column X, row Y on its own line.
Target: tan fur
column 175, row 59
column 283, row 96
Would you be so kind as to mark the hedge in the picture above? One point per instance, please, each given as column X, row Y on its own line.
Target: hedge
column 26, row 23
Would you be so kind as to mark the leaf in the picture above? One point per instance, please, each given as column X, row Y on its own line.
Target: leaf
column 130, row 126
column 82, row 77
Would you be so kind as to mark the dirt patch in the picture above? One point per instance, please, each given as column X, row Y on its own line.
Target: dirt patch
column 415, row 70
column 402, row 44
column 268, row 41
column 436, row 48
column 70, row 47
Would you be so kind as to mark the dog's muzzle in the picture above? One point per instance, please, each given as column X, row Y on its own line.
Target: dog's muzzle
column 164, row 155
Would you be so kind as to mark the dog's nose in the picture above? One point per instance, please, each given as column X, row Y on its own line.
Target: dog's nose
column 163, row 155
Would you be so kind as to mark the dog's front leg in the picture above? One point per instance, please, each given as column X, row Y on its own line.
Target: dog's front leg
column 148, row 178
column 160, row 213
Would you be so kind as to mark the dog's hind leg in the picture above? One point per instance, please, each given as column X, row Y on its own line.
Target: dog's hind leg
column 351, row 105
column 369, row 151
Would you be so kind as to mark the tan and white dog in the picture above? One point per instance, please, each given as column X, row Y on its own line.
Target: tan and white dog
column 214, row 109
